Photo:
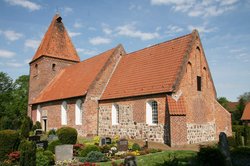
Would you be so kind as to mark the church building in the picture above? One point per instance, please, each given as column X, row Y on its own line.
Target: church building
column 164, row 92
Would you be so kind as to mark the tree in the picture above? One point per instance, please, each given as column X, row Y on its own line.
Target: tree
column 245, row 97
column 224, row 102
column 13, row 101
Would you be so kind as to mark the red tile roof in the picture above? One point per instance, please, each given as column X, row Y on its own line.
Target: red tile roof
column 246, row 112
column 56, row 43
column 74, row 80
column 176, row 107
column 148, row 71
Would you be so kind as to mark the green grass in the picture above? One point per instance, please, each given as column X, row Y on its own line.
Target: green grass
column 155, row 159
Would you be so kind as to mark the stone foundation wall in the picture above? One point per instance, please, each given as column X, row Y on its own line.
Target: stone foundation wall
column 127, row 127
column 197, row 133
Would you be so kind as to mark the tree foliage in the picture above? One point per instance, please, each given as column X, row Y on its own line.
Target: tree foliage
column 224, row 102
column 13, row 101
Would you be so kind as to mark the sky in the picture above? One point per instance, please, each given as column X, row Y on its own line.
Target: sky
column 98, row 25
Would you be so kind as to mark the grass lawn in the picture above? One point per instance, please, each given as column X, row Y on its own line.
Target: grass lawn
column 155, row 159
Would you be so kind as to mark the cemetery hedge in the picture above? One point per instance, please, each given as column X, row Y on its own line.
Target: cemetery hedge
column 67, row 135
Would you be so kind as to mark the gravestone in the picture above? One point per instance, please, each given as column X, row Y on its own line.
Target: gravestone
column 64, row 152
column 130, row 161
column 52, row 137
column 34, row 138
column 224, row 148
column 122, row 145
column 108, row 140
column 42, row 144
column 39, row 132
column 104, row 141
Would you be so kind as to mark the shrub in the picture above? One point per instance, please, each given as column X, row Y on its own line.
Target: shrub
column 9, row 142
column 28, row 153
column 77, row 148
column 87, row 149
column 67, row 135
column 95, row 156
column 37, row 125
column 135, row 147
column 44, row 158
column 26, row 127
column 53, row 144
column 52, row 132
column 240, row 156
column 105, row 148
column 210, row 155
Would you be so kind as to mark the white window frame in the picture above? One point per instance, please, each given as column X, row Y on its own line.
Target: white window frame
column 149, row 113
column 64, row 113
column 115, row 114
column 38, row 113
column 78, row 112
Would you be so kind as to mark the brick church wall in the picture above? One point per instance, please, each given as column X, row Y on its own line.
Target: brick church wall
column 205, row 118
column 42, row 72
column 132, row 115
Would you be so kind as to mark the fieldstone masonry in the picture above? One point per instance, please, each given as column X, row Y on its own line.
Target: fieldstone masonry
column 197, row 133
column 127, row 127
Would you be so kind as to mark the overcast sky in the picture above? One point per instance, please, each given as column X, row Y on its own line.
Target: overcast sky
column 99, row 25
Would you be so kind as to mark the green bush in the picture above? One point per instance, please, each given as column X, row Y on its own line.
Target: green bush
column 240, row 156
column 88, row 149
column 67, row 135
column 26, row 127
column 44, row 158
column 105, row 148
column 210, row 155
column 37, row 125
column 9, row 141
column 53, row 144
column 28, row 153
column 135, row 147
column 95, row 156
column 52, row 132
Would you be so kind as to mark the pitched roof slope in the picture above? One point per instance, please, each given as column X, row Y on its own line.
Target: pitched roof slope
column 150, row 70
column 74, row 80
column 246, row 112
column 56, row 43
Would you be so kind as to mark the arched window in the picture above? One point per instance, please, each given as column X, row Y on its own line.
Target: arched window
column 53, row 67
column 189, row 72
column 64, row 113
column 198, row 60
column 152, row 112
column 115, row 114
column 204, row 76
column 38, row 113
column 78, row 112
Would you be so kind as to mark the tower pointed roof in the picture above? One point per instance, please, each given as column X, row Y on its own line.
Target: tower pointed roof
column 57, row 43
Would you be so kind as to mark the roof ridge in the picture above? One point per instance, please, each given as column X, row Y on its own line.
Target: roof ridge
column 160, row 43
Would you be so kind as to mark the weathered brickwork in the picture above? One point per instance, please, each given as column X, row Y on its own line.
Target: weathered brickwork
column 132, row 115
column 178, row 130
column 197, row 133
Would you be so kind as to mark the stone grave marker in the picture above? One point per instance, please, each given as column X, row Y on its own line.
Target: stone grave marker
column 34, row 138
column 108, row 140
column 42, row 144
column 102, row 141
column 122, row 145
column 39, row 132
column 130, row 161
column 64, row 152
column 52, row 137
column 224, row 148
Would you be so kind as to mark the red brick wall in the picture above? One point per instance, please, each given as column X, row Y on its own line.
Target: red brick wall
column 178, row 130
column 41, row 75
column 53, row 112
column 202, row 109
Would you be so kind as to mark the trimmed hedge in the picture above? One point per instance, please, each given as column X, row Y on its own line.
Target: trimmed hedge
column 9, row 141
column 89, row 148
column 67, row 135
